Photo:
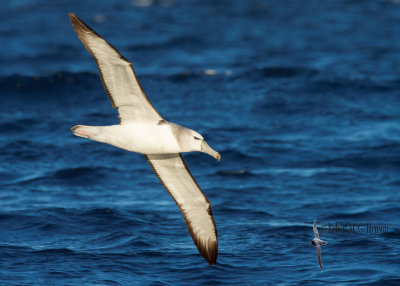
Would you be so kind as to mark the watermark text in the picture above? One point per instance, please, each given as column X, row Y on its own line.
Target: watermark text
column 353, row 228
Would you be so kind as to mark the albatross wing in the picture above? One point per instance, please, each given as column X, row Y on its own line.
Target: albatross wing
column 173, row 173
column 117, row 75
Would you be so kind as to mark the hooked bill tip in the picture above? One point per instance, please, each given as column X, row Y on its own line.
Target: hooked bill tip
column 207, row 149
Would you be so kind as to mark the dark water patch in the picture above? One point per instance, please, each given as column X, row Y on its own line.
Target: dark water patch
column 286, row 229
column 237, row 156
column 235, row 173
column 206, row 76
column 185, row 42
column 379, row 211
column 356, row 215
column 11, row 127
column 183, row 76
column 56, row 252
column 36, row 84
column 368, row 242
column 100, row 216
column 25, row 150
column 58, row 226
column 6, row 177
column 17, row 125
column 390, row 281
column 116, row 241
column 33, row 224
column 9, row 249
column 285, row 72
column 393, row 233
column 81, row 176
column 282, row 106
column 99, row 117
column 255, row 213
column 233, row 129
column 110, row 282
column 338, row 82
column 82, row 173
column 363, row 161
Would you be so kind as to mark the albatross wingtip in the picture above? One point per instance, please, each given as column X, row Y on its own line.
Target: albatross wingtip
column 212, row 252
column 72, row 17
column 75, row 21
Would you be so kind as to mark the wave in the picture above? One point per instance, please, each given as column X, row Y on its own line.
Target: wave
column 70, row 221
column 25, row 149
column 68, row 176
column 393, row 233
column 384, row 281
column 364, row 213
column 316, row 81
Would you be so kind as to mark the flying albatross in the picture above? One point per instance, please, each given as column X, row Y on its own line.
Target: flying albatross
column 143, row 130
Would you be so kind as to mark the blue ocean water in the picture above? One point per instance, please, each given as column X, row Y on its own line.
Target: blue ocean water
column 301, row 98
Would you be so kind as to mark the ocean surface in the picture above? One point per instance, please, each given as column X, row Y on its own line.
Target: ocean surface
column 301, row 98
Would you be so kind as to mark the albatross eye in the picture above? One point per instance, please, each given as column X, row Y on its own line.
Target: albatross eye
column 197, row 138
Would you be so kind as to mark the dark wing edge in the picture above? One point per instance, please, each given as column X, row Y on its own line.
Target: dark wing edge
column 80, row 29
column 209, row 250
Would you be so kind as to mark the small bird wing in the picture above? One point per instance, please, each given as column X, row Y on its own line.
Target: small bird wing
column 117, row 75
column 315, row 229
column 173, row 173
column 319, row 255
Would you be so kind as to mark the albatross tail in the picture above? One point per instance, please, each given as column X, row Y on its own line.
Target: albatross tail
column 89, row 132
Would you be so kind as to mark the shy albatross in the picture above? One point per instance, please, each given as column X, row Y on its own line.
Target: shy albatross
column 143, row 130
column 317, row 243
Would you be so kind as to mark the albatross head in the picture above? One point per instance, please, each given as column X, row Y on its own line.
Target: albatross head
column 192, row 141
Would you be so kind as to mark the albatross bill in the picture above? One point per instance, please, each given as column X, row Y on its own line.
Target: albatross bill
column 143, row 130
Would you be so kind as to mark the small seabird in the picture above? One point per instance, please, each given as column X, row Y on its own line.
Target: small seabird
column 317, row 243
column 143, row 130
